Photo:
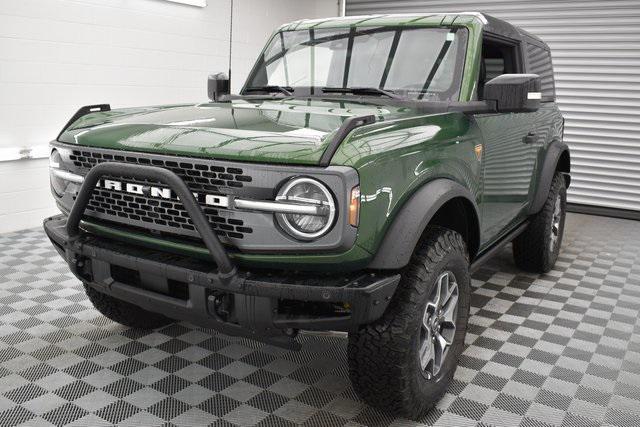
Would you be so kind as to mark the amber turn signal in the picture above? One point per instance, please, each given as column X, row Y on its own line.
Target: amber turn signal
column 354, row 207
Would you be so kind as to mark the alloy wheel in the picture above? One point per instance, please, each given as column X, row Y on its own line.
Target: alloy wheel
column 438, row 326
column 555, row 223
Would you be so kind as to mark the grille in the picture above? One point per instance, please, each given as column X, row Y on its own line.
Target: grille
column 199, row 177
column 162, row 214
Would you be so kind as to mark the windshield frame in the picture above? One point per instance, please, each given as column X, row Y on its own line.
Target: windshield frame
column 453, row 93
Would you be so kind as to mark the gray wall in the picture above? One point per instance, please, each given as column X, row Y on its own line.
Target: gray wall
column 57, row 55
column 596, row 53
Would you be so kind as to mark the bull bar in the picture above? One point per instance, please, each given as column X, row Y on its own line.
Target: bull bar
column 257, row 295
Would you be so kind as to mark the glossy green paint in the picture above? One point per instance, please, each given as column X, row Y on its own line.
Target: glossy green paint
column 394, row 157
column 290, row 131
column 511, row 167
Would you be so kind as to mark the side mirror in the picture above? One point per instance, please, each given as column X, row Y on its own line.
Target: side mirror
column 217, row 86
column 514, row 93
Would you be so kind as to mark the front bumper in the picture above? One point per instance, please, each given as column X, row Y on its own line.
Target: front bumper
column 257, row 302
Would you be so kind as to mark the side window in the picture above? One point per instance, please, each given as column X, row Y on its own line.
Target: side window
column 540, row 64
column 497, row 58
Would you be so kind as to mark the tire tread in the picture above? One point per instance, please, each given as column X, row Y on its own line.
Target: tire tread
column 379, row 353
column 531, row 248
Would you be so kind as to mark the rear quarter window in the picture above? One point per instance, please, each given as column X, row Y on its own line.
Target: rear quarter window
column 540, row 64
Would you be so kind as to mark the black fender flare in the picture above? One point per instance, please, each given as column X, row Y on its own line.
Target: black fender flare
column 547, row 172
column 409, row 223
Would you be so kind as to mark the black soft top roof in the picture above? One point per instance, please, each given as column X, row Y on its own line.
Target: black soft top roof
column 503, row 28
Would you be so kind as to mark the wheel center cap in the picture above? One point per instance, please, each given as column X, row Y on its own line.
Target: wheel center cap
column 437, row 322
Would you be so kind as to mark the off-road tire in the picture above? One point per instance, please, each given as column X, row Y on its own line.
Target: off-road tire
column 383, row 357
column 125, row 313
column 532, row 249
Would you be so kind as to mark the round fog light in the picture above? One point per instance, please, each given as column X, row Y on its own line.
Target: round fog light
column 307, row 191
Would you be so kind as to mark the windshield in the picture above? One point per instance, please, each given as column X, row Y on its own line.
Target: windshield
column 414, row 63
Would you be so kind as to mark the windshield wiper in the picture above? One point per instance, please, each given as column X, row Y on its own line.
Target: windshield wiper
column 287, row 90
column 362, row 91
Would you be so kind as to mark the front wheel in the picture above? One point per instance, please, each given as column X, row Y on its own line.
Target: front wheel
column 404, row 362
column 537, row 248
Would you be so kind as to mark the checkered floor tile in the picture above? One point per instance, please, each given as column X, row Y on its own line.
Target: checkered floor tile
column 561, row 349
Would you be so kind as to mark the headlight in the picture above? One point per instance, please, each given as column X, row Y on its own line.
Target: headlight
column 58, row 184
column 307, row 191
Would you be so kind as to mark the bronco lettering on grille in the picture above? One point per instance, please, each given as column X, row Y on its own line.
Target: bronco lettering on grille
column 160, row 192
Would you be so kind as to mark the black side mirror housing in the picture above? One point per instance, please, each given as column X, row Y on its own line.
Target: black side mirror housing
column 218, row 86
column 514, row 93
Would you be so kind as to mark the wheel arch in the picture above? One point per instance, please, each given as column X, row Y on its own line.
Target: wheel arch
column 557, row 159
column 442, row 202
column 564, row 166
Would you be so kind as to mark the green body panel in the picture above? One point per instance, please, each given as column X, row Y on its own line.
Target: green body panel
column 399, row 153
column 269, row 131
column 396, row 158
column 511, row 168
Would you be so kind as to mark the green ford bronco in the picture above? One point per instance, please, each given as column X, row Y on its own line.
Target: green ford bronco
column 367, row 167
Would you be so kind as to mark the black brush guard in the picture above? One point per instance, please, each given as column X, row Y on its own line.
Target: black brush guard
column 256, row 295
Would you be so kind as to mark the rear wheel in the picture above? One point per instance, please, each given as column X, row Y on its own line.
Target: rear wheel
column 537, row 248
column 404, row 362
column 125, row 313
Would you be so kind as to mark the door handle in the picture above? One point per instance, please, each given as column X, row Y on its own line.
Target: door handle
column 530, row 138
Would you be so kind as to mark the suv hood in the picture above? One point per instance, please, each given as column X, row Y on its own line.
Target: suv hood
column 276, row 131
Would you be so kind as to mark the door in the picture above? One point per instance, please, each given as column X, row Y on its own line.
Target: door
column 509, row 146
